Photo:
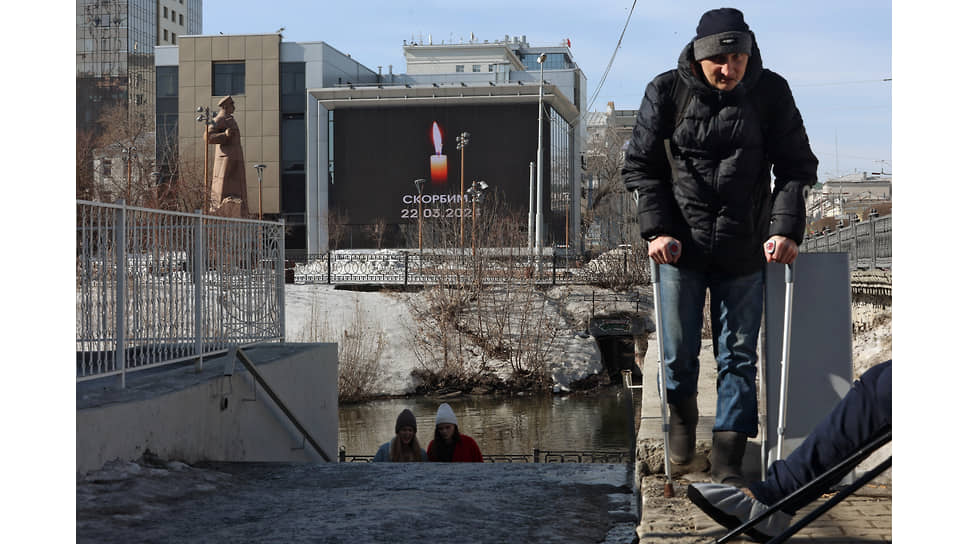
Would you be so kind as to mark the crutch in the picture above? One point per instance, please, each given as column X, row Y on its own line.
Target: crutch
column 668, row 491
column 785, row 361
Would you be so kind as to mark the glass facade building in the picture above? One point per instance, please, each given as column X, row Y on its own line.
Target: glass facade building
column 115, row 42
column 292, row 153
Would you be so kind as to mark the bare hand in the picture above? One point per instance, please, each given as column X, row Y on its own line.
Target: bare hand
column 780, row 249
column 665, row 250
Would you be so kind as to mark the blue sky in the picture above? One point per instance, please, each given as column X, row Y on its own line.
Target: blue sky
column 835, row 54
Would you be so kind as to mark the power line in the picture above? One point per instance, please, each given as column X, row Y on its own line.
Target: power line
column 610, row 61
column 832, row 83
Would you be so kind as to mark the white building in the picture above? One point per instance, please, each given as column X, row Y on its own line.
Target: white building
column 848, row 195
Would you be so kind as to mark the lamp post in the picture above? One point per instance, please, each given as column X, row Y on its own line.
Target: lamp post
column 462, row 141
column 539, row 215
column 258, row 168
column 419, row 183
column 128, row 153
column 476, row 193
column 205, row 117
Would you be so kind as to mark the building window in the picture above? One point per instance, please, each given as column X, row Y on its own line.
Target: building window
column 490, row 67
column 165, row 13
column 460, row 67
column 228, row 78
column 166, row 35
column 181, row 19
column 476, row 68
column 172, row 37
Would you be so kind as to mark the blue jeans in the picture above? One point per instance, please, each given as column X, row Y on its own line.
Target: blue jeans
column 736, row 308
column 857, row 419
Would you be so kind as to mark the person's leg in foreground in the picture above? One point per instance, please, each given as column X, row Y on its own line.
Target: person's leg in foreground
column 860, row 416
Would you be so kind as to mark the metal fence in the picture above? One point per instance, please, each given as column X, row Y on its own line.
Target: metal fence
column 157, row 287
column 867, row 243
column 408, row 267
column 536, row 456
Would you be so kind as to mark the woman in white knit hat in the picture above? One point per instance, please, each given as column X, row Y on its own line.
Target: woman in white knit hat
column 404, row 446
column 448, row 444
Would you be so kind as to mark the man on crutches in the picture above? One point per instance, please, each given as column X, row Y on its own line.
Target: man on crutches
column 699, row 160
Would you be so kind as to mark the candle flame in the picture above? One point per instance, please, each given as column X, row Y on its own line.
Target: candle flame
column 438, row 138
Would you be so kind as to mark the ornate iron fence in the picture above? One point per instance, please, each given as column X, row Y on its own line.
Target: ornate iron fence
column 157, row 287
column 867, row 243
column 624, row 265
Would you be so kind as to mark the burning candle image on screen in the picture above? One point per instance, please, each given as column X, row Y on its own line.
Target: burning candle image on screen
column 438, row 161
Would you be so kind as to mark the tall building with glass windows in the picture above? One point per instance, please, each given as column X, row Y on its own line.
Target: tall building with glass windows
column 115, row 42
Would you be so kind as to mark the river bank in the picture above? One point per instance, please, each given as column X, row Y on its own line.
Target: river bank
column 326, row 313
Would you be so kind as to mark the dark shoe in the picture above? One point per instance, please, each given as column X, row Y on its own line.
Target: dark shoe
column 683, row 418
column 730, row 507
column 726, row 458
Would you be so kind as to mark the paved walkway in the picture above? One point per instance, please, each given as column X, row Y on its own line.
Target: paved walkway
column 864, row 517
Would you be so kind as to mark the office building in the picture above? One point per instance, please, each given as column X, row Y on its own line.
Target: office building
column 340, row 139
column 115, row 42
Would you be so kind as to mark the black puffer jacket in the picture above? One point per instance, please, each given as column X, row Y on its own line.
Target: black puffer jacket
column 720, row 206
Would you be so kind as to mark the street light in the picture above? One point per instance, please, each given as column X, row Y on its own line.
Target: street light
column 128, row 153
column 462, row 141
column 258, row 168
column 420, row 183
column 476, row 192
column 205, row 116
column 539, row 215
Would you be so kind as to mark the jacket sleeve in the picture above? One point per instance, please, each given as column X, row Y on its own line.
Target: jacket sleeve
column 794, row 164
column 382, row 454
column 474, row 452
column 646, row 170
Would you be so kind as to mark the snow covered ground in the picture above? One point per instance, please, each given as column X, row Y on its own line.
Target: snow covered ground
column 357, row 502
column 323, row 312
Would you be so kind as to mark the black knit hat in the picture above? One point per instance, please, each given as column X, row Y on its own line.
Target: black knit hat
column 406, row 419
column 721, row 31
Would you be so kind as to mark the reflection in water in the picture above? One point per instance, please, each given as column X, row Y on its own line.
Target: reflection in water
column 501, row 425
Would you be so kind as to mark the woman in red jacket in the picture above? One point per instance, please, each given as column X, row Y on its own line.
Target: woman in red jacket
column 448, row 444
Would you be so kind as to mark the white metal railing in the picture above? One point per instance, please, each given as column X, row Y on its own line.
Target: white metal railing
column 157, row 287
column 867, row 243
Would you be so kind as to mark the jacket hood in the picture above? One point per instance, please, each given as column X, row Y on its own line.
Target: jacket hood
column 697, row 82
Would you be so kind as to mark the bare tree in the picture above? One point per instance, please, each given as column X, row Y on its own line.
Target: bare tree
column 338, row 227
column 483, row 295
column 84, row 147
column 124, row 155
column 377, row 231
column 360, row 345
column 608, row 204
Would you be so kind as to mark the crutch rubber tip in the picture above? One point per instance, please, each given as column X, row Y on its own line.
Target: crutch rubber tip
column 668, row 492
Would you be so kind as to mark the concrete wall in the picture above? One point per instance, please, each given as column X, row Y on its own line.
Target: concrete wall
column 190, row 417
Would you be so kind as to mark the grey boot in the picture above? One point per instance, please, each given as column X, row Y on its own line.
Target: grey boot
column 726, row 458
column 683, row 418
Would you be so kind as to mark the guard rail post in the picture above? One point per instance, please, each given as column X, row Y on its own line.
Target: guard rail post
column 406, row 267
column 197, row 277
column 120, row 264
column 281, row 277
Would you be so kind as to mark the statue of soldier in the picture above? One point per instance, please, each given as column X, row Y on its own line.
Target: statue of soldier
column 229, row 197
